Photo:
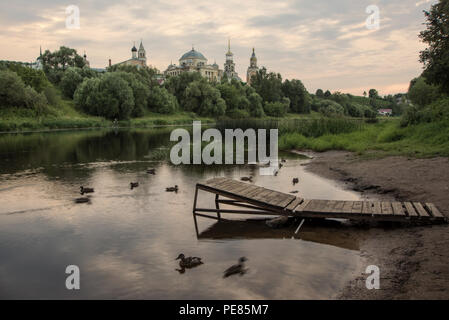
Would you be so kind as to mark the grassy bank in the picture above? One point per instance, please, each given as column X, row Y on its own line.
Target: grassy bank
column 65, row 116
column 380, row 139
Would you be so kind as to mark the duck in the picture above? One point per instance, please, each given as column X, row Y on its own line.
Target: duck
column 134, row 185
column 283, row 160
column 151, row 171
column 294, row 192
column 280, row 165
column 295, row 180
column 188, row 262
column 82, row 200
column 172, row 189
column 84, row 190
column 236, row 269
column 250, row 179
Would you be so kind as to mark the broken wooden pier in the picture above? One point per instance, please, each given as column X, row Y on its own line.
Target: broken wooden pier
column 255, row 200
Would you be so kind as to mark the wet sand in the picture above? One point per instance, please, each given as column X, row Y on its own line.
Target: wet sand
column 413, row 260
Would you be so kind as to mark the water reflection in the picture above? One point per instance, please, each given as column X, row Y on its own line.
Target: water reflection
column 124, row 241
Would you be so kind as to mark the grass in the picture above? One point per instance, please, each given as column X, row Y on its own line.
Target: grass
column 380, row 139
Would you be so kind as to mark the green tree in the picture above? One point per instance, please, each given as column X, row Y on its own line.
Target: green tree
column 278, row 108
column 177, row 85
column 109, row 96
column 421, row 93
column 373, row 94
column 319, row 93
column 203, row 99
column 55, row 63
column 255, row 105
column 436, row 57
column 298, row 95
column 268, row 85
column 327, row 94
column 162, row 101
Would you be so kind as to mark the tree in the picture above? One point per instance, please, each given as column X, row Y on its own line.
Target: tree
column 70, row 80
column 162, row 101
column 330, row 108
column 109, row 96
column 268, row 85
column 140, row 91
column 31, row 77
column 436, row 57
column 55, row 63
column 177, row 85
column 373, row 94
column 421, row 93
column 319, row 93
column 298, row 95
column 203, row 99
column 255, row 105
column 14, row 93
column 327, row 94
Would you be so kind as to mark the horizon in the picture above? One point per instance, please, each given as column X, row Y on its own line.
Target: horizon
column 325, row 45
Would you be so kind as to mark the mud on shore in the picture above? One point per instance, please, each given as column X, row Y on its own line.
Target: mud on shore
column 413, row 260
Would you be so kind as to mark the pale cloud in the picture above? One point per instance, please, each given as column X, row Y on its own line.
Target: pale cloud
column 325, row 44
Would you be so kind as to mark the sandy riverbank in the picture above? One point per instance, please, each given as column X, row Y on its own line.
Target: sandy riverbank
column 413, row 260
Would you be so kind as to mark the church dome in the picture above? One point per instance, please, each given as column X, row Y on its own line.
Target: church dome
column 134, row 49
column 192, row 54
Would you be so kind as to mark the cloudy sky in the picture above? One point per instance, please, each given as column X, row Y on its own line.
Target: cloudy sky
column 324, row 43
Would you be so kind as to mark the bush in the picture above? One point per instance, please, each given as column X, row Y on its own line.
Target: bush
column 203, row 99
column 330, row 108
column 276, row 109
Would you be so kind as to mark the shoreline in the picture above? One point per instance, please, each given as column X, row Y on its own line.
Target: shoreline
column 412, row 259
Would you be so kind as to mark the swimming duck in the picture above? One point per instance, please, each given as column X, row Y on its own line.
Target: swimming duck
column 250, row 179
column 294, row 192
column 283, row 160
column 134, row 185
column 172, row 189
column 189, row 262
column 84, row 190
column 280, row 165
column 236, row 269
column 295, row 180
column 82, row 200
column 151, row 171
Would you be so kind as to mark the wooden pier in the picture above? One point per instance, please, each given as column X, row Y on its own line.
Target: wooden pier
column 255, row 200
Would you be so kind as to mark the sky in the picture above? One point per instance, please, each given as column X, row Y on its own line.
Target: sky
column 325, row 44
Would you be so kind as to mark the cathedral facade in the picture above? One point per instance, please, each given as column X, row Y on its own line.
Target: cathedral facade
column 195, row 61
column 229, row 66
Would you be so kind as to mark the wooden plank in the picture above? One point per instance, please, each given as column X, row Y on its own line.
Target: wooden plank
column 411, row 212
column 249, row 190
column 276, row 198
column 398, row 210
column 262, row 195
column 421, row 211
column 357, row 207
column 301, row 207
column 347, row 207
column 387, row 209
column 331, row 205
column 367, row 208
column 338, row 206
column 255, row 192
column 435, row 212
column 294, row 204
column 286, row 202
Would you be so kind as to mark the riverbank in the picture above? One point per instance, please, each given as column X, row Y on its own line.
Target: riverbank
column 412, row 259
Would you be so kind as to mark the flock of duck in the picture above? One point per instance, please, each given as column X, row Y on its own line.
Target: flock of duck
column 192, row 262
column 133, row 185
column 294, row 181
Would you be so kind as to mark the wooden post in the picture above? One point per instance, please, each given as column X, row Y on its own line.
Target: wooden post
column 194, row 200
column 217, row 206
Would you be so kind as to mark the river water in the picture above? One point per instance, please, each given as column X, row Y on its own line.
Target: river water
column 125, row 241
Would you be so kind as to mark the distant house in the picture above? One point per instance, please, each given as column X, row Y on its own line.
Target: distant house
column 385, row 112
